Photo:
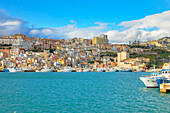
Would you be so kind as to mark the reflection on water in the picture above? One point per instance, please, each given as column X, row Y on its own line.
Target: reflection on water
column 144, row 89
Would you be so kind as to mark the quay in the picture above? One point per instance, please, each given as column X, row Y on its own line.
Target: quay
column 165, row 87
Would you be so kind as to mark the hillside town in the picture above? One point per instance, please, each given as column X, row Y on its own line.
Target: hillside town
column 82, row 55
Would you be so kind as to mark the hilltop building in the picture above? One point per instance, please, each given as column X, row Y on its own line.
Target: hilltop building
column 102, row 39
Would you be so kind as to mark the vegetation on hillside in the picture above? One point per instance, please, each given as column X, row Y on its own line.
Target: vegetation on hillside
column 111, row 54
column 161, row 57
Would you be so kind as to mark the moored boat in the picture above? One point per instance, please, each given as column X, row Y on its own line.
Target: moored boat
column 19, row 70
column 86, row 70
column 28, row 69
column 66, row 69
column 150, row 81
column 6, row 70
column 12, row 69
column 46, row 70
column 37, row 70
column 99, row 70
column 163, row 77
column 156, row 79
column 112, row 70
column 125, row 70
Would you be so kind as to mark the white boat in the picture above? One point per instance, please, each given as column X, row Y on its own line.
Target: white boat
column 99, row 70
column 27, row 69
column 150, row 81
column 164, row 77
column 19, row 70
column 125, row 70
column 156, row 79
column 12, row 69
column 37, row 70
column 86, row 70
column 79, row 70
column 46, row 70
column 66, row 70
column 139, row 70
column 112, row 70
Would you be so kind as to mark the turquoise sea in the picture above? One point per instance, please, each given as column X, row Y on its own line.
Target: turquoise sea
column 79, row 92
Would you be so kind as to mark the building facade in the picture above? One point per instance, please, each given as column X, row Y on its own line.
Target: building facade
column 122, row 56
column 102, row 39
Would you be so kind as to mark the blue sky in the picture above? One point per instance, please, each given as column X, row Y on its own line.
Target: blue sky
column 57, row 13
column 83, row 14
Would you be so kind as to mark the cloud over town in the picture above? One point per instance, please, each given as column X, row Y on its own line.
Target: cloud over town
column 148, row 28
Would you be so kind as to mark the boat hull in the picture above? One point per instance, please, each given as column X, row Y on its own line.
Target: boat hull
column 99, row 70
column 149, row 82
column 160, row 80
column 46, row 70
column 86, row 70
column 112, row 70
column 6, row 70
column 12, row 70
column 66, row 70
column 125, row 70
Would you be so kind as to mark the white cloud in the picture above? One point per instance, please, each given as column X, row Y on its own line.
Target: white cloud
column 147, row 28
column 47, row 31
column 101, row 24
column 69, row 31
column 160, row 20
column 34, row 32
column 10, row 25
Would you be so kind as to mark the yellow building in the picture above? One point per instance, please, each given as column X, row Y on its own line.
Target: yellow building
column 20, row 36
column 62, row 61
column 102, row 39
column 122, row 56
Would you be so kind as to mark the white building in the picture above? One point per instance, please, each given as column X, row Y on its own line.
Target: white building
column 122, row 56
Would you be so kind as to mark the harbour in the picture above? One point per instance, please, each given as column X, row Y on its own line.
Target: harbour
column 83, row 92
column 84, row 56
column 158, row 80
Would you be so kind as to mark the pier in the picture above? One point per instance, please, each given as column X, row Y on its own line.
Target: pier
column 165, row 87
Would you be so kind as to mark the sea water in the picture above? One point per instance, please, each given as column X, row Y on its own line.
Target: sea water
column 79, row 92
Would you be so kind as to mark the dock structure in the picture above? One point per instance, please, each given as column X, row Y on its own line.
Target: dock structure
column 165, row 87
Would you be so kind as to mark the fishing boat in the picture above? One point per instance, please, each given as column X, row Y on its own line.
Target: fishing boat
column 140, row 70
column 37, row 70
column 66, row 69
column 150, row 81
column 125, row 70
column 46, row 70
column 163, row 77
column 28, row 69
column 99, row 70
column 12, row 69
column 112, row 70
column 19, row 70
column 86, row 70
column 156, row 79
column 6, row 70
